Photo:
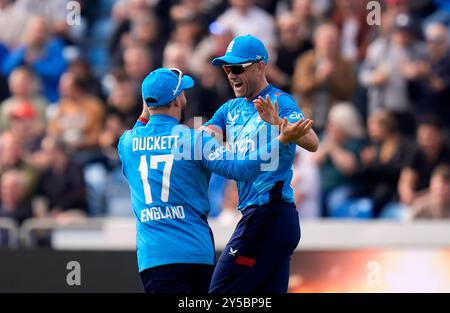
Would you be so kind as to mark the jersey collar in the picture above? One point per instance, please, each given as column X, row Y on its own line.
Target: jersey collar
column 263, row 92
column 162, row 119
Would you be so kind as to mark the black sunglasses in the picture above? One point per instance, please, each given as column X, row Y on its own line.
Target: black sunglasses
column 236, row 68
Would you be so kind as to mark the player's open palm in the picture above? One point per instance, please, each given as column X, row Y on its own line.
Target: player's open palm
column 267, row 111
column 291, row 132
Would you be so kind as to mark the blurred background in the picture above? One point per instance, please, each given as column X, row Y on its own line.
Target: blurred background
column 379, row 95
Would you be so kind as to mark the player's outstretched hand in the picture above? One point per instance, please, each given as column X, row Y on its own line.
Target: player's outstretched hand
column 267, row 111
column 291, row 132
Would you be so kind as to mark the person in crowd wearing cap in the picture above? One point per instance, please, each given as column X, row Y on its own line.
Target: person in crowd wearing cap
column 169, row 188
column 257, row 257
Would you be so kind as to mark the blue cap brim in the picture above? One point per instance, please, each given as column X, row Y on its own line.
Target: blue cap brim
column 229, row 59
column 187, row 82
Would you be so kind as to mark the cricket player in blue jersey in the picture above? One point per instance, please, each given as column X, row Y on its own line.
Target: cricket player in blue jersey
column 169, row 182
column 257, row 257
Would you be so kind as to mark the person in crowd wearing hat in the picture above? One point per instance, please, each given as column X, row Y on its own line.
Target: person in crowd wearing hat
column 168, row 167
column 257, row 257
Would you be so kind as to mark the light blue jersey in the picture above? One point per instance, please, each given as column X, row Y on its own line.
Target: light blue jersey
column 169, row 188
column 240, row 121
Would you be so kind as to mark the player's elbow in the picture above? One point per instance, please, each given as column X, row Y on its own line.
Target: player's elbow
column 314, row 146
column 310, row 145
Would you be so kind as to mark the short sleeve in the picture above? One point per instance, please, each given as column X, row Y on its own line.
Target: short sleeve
column 288, row 108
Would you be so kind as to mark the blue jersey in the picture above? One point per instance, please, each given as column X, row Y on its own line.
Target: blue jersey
column 240, row 121
column 169, row 189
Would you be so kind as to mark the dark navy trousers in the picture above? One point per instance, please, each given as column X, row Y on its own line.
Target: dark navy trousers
column 177, row 278
column 257, row 257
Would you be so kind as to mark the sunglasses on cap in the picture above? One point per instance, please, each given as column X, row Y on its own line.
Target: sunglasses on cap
column 180, row 77
column 236, row 68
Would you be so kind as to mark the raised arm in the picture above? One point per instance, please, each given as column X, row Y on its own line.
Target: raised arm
column 217, row 159
column 268, row 112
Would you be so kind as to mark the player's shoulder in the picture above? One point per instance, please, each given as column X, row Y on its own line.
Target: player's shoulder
column 281, row 96
column 124, row 139
column 234, row 103
column 129, row 134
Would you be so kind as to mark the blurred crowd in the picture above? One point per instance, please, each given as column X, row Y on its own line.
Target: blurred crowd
column 379, row 95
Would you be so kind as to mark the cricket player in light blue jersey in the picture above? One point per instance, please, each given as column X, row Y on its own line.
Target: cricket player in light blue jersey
column 257, row 257
column 168, row 182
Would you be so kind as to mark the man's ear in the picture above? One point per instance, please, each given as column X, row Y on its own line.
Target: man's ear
column 262, row 67
column 174, row 102
column 177, row 102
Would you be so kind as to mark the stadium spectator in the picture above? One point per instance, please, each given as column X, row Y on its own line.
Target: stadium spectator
column 207, row 11
column 202, row 101
column 244, row 17
column 122, row 100
column 440, row 13
column 435, row 204
column 14, row 202
column 318, row 76
column 431, row 86
column 42, row 53
column 12, row 158
column 61, row 182
column 432, row 150
column 138, row 62
column 306, row 183
column 211, row 78
column 351, row 18
column 390, row 65
column 188, row 30
column 133, row 17
column 23, row 85
column 81, row 68
column 292, row 43
column 338, row 156
column 13, row 22
column 213, row 45
column 304, row 12
column 383, row 159
column 398, row 7
column 113, row 128
column 144, row 29
column 79, row 116
column 27, row 128
column 53, row 11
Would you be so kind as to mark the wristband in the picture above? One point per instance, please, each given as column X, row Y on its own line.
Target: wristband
column 143, row 120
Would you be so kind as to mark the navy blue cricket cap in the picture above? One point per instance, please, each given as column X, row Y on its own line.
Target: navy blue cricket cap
column 243, row 49
column 163, row 85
